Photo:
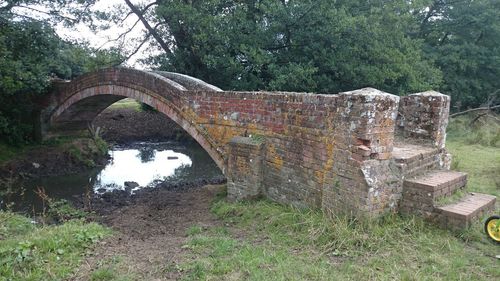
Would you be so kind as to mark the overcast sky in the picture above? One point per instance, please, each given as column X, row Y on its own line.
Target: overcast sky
column 101, row 38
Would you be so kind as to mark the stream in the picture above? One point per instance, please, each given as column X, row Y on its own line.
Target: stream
column 132, row 167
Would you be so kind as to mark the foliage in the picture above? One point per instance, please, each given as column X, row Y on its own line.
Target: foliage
column 330, row 46
column 32, row 55
column 463, row 37
column 31, row 252
column 321, row 46
column 87, row 151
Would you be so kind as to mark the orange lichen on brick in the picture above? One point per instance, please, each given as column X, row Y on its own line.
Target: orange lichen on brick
column 273, row 157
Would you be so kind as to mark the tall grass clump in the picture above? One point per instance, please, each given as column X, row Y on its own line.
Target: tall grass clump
column 476, row 129
column 29, row 251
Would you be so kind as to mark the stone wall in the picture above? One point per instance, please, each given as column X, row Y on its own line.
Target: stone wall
column 322, row 151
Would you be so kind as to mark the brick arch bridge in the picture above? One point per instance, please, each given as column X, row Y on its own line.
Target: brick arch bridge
column 344, row 153
column 78, row 102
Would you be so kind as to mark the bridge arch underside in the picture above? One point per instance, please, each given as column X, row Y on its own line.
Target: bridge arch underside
column 81, row 108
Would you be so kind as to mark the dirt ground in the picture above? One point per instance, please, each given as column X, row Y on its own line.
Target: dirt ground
column 150, row 232
column 124, row 125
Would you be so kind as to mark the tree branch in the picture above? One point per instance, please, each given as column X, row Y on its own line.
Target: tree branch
column 474, row 109
column 56, row 15
column 138, row 47
column 150, row 29
column 123, row 34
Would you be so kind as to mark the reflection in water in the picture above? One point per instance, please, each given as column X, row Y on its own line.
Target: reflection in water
column 130, row 165
column 146, row 154
column 143, row 163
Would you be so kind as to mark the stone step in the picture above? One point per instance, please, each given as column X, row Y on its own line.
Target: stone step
column 437, row 184
column 415, row 159
column 463, row 213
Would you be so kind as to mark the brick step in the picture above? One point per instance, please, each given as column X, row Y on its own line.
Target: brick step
column 463, row 213
column 415, row 159
column 437, row 184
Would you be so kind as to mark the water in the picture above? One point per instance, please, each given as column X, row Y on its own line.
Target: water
column 144, row 163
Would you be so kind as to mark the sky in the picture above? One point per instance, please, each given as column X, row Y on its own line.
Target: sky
column 101, row 39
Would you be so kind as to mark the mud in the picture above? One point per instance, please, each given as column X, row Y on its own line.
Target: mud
column 124, row 125
column 54, row 160
column 150, row 230
column 107, row 203
column 149, row 226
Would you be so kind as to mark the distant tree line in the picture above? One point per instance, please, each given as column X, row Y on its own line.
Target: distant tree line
column 326, row 46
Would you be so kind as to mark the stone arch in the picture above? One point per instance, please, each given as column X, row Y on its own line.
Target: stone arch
column 76, row 103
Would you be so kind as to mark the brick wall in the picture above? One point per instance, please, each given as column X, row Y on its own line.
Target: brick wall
column 322, row 151
column 425, row 116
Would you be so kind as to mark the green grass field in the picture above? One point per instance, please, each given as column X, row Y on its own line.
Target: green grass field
column 126, row 104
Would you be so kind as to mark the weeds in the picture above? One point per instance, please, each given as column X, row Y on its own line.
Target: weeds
column 276, row 242
column 470, row 130
column 58, row 211
column 446, row 200
column 7, row 189
column 85, row 151
column 31, row 252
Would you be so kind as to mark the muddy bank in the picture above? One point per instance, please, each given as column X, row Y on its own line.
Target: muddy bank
column 73, row 156
column 119, row 125
column 124, row 125
column 106, row 204
column 151, row 232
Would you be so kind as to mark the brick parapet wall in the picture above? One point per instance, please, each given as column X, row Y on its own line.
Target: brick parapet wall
column 366, row 121
column 425, row 116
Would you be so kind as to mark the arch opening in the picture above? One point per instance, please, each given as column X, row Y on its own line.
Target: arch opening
column 83, row 106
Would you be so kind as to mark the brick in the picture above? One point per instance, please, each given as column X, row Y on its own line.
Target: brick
column 460, row 215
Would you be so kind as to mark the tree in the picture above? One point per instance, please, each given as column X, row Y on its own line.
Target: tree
column 31, row 54
column 324, row 46
column 463, row 37
column 68, row 12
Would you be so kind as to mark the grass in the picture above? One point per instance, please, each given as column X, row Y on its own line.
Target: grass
column 266, row 241
column 10, row 152
column 126, row 104
column 112, row 269
column 476, row 151
column 33, row 252
column 454, row 198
